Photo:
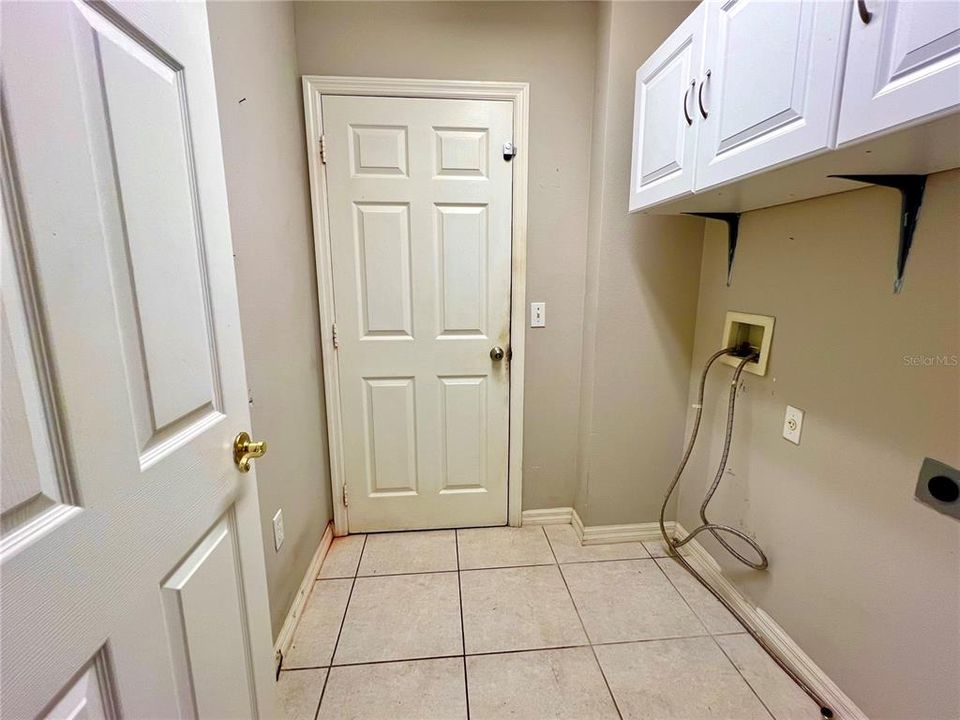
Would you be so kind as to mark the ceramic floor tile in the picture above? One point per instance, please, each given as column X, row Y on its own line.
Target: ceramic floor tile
column 503, row 547
column 342, row 557
column 568, row 549
column 554, row 684
column 409, row 552
column 412, row 690
column 518, row 609
column 629, row 600
column 778, row 692
column 711, row 612
column 656, row 548
column 401, row 617
column 298, row 693
column 316, row 633
column 685, row 679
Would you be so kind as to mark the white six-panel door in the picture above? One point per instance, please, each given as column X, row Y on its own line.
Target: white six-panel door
column 665, row 116
column 903, row 65
column 419, row 206
column 770, row 86
column 131, row 558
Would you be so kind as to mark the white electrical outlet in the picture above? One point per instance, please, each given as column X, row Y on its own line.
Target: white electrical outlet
column 278, row 530
column 538, row 314
column 793, row 424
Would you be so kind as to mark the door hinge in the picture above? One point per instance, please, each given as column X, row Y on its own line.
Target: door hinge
column 323, row 149
column 336, row 338
column 345, row 501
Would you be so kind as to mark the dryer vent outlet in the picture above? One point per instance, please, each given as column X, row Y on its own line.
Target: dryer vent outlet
column 746, row 329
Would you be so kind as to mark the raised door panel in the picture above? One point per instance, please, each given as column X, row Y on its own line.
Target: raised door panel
column 903, row 66
column 770, row 87
column 664, row 129
column 462, row 239
column 155, row 238
column 390, row 430
column 463, row 430
column 383, row 270
column 203, row 603
column 90, row 695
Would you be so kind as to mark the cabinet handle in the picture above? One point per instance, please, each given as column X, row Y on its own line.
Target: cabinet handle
column 703, row 110
column 865, row 15
column 686, row 97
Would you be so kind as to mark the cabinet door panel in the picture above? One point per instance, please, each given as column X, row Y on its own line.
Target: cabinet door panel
column 664, row 129
column 770, row 87
column 903, row 66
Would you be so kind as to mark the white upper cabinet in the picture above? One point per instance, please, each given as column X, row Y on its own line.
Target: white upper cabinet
column 903, row 65
column 752, row 103
column 664, row 130
column 770, row 86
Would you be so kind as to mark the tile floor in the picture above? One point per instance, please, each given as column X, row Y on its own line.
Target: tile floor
column 521, row 623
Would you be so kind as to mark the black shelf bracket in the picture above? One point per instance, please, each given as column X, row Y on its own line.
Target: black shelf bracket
column 911, row 189
column 732, row 219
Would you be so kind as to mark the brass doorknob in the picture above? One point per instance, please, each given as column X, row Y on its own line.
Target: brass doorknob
column 245, row 450
column 496, row 353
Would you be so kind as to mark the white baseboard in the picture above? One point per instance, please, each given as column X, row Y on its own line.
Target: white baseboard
column 597, row 534
column 282, row 646
column 548, row 516
column 702, row 561
column 775, row 636
column 607, row 534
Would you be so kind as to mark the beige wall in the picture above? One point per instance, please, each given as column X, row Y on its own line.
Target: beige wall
column 551, row 46
column 261, row 120
column 640, row 300
column 864, row 578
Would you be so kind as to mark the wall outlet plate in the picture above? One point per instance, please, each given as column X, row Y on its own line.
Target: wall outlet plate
column 278, row 529
column 538, row 314
column 793, row 424
column 757, row 330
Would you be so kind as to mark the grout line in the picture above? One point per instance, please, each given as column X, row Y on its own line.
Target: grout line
column 684, row 598
column 484, row 653
column 452, row 656
column 463, row 637
column 605, row 560
column 735, row 667
column 710, row 635
column 343, row 620
column 584, row 627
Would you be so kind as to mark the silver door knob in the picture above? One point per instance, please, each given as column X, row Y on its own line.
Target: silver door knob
column 496, row 353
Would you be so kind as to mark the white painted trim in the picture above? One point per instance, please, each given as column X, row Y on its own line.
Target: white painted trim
column 775, row 636
column 597, row 534
column 608, row 534
column 282, row 646
column 314, row 86
column 548, row 516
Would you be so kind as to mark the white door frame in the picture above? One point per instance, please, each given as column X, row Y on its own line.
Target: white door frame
column 314, row 86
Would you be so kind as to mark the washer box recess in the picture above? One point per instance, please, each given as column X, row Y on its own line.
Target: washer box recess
column 754, row 329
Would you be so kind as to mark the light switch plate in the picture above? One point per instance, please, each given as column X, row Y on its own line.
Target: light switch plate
column 793, row 424
column 538, row 314
column 278, row 529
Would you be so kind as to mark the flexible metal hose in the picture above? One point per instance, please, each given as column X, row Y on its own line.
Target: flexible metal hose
column 715, row 529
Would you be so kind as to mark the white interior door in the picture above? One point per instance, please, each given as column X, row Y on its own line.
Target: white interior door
column 132, row 567
column 903, row 65
column 419, row 203
column 665, row 118
column 770, row 91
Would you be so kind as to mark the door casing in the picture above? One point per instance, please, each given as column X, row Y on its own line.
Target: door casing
column 314, row 87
